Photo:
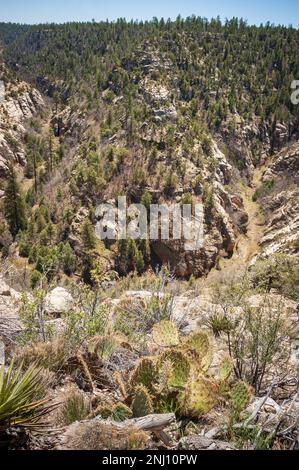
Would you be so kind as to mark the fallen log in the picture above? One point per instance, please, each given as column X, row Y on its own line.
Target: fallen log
column 151, row 422
column 99, row 434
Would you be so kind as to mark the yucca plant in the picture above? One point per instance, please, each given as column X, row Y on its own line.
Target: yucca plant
column 20, row 398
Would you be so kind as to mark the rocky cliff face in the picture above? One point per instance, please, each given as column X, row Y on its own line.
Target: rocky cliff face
column 18, row 103
column 281, row 206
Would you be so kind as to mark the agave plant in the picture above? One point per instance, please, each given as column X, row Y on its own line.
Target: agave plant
column 20, row 403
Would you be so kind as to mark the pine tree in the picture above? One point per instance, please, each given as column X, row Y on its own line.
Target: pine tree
column 14, row 205
column 88, row 236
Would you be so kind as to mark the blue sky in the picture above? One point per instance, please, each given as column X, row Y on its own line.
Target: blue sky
column 255, row 11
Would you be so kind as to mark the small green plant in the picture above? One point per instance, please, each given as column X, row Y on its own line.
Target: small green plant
column 121, row 412
column 75, row 408
column 219, row 323
column 263, row 190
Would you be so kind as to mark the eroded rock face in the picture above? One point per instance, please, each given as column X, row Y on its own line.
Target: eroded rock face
column 18, row 102
column 222, row 222
column 282, row 205
column 68, row 123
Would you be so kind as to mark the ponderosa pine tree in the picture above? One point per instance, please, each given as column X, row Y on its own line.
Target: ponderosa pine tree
column 88, row 236
column 14, row 204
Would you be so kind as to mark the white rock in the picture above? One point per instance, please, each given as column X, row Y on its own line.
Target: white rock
column 58, row 301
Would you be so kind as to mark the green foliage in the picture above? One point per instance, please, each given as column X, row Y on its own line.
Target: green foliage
column 135, row 319
column 20, row 403
column 263, row 190
column 132, row 255
column 69, row 260
column 146, row 200
column 280, row 272
column 35, row 279
column 14, row 205
column 219, row 323
column 121, row 412
column 88, row 236
column 170, row 184
column 187, row 199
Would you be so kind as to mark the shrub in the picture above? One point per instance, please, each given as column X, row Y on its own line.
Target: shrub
column 256, row 342
column 280, row 272
column 263, row 190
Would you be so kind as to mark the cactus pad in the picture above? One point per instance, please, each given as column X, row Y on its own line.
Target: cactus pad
column 200, row 348
column 199, row 343
column 165, row 334
column 199, row 397
column 142, row 403
column 240, row 396
column 143, row 374
column 225, row 369
column 104, row 346
column 180, row 367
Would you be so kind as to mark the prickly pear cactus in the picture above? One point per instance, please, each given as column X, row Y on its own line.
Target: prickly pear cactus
column 142, row 404
column 164, row 377
column 143, row 374
column 199, row 397
column 180, row 367
column 165, row 334
column 240, row 396
column 225, row 369
column 199, row 342
column 201, row 349
column 207, row 360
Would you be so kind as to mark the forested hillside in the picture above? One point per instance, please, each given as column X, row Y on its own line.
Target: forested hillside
column 188, row 112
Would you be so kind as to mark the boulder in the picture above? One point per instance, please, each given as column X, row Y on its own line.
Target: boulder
column 58, row 301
